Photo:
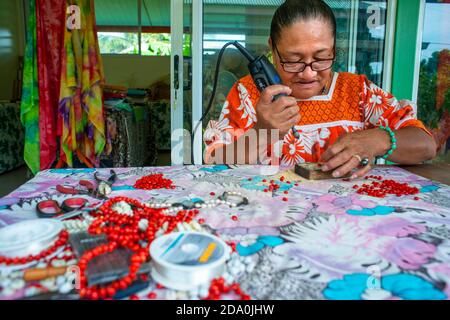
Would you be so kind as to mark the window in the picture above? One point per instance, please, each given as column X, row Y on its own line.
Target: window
column 434, row 77
column 118, row 42
column 139, row 27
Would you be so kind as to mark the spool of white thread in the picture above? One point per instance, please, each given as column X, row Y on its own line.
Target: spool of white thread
column 186, row 260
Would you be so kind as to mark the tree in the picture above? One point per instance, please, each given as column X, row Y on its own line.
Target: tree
column 427, row 110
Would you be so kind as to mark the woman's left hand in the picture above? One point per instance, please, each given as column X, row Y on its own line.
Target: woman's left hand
column 345, row 154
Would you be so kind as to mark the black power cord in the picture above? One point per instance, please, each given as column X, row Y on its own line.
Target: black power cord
column 213, row 93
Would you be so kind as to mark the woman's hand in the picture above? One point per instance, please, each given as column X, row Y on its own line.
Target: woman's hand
column 280, row 114
column 342, row 156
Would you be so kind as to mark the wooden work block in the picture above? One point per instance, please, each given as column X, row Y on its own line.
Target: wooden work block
column 312, row 171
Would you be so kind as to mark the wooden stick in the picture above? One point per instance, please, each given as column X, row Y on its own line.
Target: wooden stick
column 38, row 274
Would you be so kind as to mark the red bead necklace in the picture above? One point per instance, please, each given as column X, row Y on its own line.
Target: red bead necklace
column 154, row 181
column 218, row 288
column 61, row 241
column 380, row 188
column 123, row 231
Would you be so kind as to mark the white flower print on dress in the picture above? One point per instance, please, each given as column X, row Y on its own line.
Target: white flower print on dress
column 248, row 111
column 215, row 132
column 225, row 111
column 378, row 102
column 323, row 136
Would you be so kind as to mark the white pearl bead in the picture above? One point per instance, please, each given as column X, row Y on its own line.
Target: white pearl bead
column 7, row 292
column 248, row 260
column 60, row 280
column 170, row 295
column 203, row 292
column 159, row 233
column 49, row 283
column 234, row 271
column 6, row 283
column 187, row 226
column 65, row 288
column 5, row 272
column 196, row 225
column 58, row 263
column 29, row 292
column 72, row 262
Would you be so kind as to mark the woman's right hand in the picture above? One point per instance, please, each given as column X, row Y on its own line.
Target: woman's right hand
column 280, row 114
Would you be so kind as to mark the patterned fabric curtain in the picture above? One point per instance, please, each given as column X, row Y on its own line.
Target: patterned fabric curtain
column 50, row 17
column 29, row 114
column 62, row 105
column 81, row 105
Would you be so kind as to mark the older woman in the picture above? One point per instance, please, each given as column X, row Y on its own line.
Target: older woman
column 340, row 120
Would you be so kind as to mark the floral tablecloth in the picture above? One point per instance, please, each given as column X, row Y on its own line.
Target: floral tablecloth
column 322, row 241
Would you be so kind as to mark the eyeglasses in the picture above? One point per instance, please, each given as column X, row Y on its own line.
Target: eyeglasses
column 296, row 67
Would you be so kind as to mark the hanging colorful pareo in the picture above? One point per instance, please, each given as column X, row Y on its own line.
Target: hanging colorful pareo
column 62, row 105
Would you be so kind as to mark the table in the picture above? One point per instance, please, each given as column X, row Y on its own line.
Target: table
column 307, row 240
column 438, row 171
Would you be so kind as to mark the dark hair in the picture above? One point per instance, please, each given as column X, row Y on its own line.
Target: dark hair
column 292, row 11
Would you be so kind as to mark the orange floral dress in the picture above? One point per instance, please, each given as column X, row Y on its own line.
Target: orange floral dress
column 353, row 103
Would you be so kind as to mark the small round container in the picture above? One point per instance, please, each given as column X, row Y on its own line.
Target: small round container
column 186, row 260
column 29, row 237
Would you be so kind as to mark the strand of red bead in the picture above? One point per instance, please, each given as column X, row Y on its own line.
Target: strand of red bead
column 154, row 181
column 218, row 287
column 123, row 231
column 61, row 241
column 381, row 188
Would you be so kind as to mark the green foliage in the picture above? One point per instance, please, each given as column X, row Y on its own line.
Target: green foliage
column 118, row 43
column 152, row 44
column 156, row 44
column 427, row 111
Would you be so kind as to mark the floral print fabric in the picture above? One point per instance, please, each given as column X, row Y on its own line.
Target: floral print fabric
column 325, row 242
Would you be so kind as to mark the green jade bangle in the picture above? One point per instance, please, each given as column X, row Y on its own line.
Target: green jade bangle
column 393, row 141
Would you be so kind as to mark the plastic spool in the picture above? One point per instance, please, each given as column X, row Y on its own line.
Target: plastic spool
column 186, row 260
column 29, row 237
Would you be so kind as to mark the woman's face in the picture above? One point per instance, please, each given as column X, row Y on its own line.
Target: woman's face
column 305, row 41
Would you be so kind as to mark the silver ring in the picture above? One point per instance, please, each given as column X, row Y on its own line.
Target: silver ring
column 364, row 162
column 242, row 200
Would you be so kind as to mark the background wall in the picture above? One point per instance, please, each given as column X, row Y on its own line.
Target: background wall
column 135, row 71
column 12, row 42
